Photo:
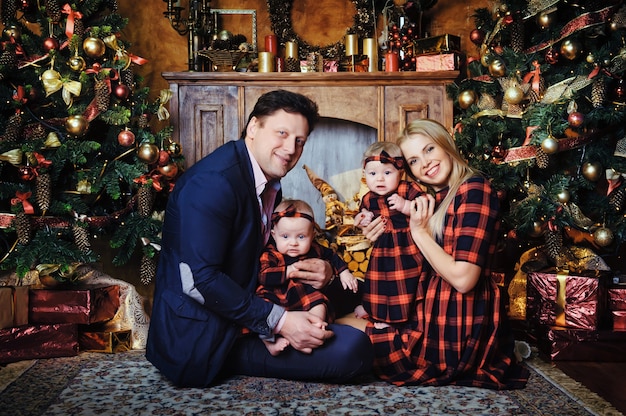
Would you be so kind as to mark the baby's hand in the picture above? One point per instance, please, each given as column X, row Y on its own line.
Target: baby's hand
column 363, row 218
column 359, row 312
column 399, row 204
column 348, row 281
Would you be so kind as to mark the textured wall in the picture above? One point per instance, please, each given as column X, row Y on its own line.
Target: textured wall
column 317, row 21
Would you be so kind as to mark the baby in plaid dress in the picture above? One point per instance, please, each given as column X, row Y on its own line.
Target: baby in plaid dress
column 293, row 233
column 458, row 332
column 395, row 262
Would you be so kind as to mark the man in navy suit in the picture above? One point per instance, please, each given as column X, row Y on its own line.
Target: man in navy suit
column 214, row 231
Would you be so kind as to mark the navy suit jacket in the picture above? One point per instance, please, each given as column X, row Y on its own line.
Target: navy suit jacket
column 208, row 267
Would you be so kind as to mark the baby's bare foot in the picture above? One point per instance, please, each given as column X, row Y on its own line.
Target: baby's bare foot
column 277, row 346
column 381, row 325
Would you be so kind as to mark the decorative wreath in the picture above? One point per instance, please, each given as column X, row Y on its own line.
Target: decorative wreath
column 280, row 18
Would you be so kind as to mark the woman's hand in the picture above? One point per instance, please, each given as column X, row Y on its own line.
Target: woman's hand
column 375, row 228
column 422, row 208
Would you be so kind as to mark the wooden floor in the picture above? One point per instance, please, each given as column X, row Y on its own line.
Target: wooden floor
column 608, row 380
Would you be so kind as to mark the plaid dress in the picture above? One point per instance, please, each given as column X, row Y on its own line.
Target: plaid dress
column 395, row 262
column 455, row 338
column 274, row 286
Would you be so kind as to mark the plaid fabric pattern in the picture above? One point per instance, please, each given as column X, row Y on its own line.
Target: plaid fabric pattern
column 293, row 295
column 395, row 262
column 455, row 338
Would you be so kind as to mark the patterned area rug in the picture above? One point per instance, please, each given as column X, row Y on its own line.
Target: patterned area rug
column 126, row 384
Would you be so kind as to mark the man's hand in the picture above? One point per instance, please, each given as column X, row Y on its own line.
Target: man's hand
column 304, row 331
column 314, row 272
column 375, row 229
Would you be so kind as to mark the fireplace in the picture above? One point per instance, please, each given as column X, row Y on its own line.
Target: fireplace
column 210, row 108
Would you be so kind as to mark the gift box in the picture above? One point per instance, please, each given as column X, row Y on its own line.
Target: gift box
column 557, row 299
column 104, row 340
column 38, row 341
column 13, row 306
column 565, row 344
column 78, row 306
column 437, row 44
column 438, row 62
column 619, row 320
column 617, row 298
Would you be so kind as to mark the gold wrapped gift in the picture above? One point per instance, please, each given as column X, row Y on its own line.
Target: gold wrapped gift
column 105, row 341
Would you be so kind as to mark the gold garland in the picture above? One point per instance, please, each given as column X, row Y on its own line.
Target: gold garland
column 280, row 18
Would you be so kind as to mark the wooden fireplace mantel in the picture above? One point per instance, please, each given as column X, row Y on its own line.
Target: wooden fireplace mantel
column 210, row 108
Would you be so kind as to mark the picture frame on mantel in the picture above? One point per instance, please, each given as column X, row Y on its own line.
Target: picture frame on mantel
column 250, row 12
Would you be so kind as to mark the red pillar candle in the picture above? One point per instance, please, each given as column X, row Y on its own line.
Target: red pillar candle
column 392, row 62
column 271, row 44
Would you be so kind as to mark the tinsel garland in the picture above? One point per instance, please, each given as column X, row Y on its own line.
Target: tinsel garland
column 280, row 19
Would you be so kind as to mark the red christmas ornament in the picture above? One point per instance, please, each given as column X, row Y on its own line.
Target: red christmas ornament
column 164, row 158
column 552, row 56
column 169, row 171
column 620, row 90
column 50, row 44
column 126, row 138
column 498, row 152
column 27, row 173
column 121, row 91
column 477, row 36
column 576, row 119
column 508, row 19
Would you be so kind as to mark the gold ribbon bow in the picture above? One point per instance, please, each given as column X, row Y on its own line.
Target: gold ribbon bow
column 164, row 97
column 14, row 157
column 120, row 54
column 52, row 82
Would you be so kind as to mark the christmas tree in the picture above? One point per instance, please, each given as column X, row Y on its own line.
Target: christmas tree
column 542, row 114
column 78, row 155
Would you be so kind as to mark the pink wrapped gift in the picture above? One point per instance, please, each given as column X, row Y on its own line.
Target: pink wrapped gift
column 619, row 320
column 565, row 300
column 565, row 344
column 439, row 62
column 38, row 341
column 77, row 306
column 13, row 306
column 617, row 298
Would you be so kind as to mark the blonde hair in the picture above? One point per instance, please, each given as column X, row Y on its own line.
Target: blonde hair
column 461, row 171
column 377, row 148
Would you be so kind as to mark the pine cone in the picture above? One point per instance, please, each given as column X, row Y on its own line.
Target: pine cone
column 147, row 269
column 543, row 159
column 79, row 28
column 554, row 243
column 292, row 65
column 617, row 198
column 22, row 227
column 102, row 95
column 13, row 130
column 8, row 62
column 35, row 132
column 127, row 78
column 598, row 92
column 9, row 10
column 43, row 191
column 53, row 10
column 517, row 35
column 81, row 236
column 145, row 200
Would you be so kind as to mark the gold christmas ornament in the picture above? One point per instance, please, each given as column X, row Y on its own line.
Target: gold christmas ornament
column 550, row 145
column 174, row 148
column 514, row 94
column 544, row 20
column 76, row 125
column 148, row 152
column 77, row 63
column 592, row 171
column 94, row 47
column 570, row 49
column 537, row 228
column 563, row 197
column 466, row 99
column 603, row 237
column 497, row 68
column 169, row 171
column 12, row 31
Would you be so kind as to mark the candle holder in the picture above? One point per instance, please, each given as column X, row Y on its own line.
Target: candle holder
column 197, row 27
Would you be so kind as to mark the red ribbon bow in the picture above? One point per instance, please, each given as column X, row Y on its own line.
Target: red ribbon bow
column 71, row 14
column 397, row 162
column 22, row 197
column 290, row 212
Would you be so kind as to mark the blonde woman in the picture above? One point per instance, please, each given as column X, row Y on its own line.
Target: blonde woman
column 459, row 333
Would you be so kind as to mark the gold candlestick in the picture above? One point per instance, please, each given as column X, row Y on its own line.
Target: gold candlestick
column 266, row 62
column 370, row 48
column 352, row 45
